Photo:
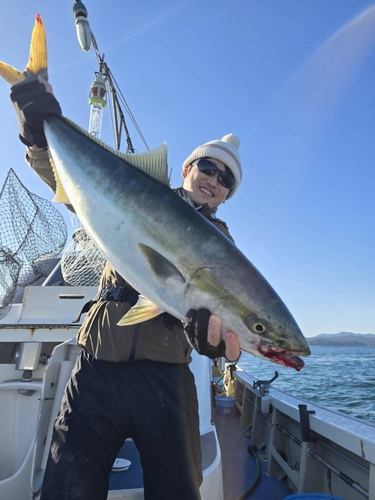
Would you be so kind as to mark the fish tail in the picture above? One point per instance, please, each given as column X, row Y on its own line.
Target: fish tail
column 37, row 63
column 10, row 74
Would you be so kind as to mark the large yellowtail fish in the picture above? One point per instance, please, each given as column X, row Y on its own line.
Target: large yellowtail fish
column 163, row 247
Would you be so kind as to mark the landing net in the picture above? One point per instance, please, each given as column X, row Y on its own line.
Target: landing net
column 82, row 263
column 32, row 234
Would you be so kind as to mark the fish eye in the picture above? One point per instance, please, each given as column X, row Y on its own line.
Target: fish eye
column 256, row 325
column 259, row 327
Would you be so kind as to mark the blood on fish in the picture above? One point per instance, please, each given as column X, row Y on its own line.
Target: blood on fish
column 281, row 357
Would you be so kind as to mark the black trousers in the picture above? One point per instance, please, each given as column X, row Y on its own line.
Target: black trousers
column 153, row 403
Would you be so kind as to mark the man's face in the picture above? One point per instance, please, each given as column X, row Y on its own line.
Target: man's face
column 203, row 188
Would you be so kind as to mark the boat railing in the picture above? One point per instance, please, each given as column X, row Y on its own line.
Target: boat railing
column 313, row 449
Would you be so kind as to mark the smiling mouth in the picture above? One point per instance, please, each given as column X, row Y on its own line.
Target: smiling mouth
column 206, row 191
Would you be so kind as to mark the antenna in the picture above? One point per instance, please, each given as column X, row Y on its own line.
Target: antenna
column 86, row 39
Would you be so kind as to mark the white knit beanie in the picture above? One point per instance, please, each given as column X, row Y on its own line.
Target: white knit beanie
column 225, row 150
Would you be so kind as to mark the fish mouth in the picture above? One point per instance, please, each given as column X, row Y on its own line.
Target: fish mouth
column 283, row 357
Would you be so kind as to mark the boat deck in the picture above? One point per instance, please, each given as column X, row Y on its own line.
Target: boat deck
column 133, row 477
column 239, row 466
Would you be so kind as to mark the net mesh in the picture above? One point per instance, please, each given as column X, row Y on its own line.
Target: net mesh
column 32, row 234
column 82, row 263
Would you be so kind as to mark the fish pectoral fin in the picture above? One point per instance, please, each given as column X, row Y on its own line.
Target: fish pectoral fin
column 143, row 310
column 161, row 267
column 37, row 64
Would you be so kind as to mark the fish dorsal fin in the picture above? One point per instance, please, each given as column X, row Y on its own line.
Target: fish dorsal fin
column 37, row 64
column 161, row 267
column 153, row 162
column 143, row 310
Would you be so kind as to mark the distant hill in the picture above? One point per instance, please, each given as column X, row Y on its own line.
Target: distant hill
column 343, row 339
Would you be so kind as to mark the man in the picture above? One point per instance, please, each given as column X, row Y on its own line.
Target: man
column 132, row 382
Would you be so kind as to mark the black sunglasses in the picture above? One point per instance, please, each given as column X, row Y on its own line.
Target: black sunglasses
column 226, row 178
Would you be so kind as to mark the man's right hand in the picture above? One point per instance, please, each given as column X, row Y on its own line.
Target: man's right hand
column 33, row 101
column 202, row 330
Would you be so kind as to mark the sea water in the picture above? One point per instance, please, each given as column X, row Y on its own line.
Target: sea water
column 338, row 378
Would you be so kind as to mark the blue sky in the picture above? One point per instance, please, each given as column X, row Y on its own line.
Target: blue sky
column 294, row 79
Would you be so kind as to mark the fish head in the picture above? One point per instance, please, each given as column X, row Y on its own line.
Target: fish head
column 273, row 334
column 248, row 305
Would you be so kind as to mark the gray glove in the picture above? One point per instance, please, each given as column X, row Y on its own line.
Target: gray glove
column 195, row 327
column 32, row 103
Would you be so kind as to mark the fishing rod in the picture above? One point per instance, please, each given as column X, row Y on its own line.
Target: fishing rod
column 104, row 84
